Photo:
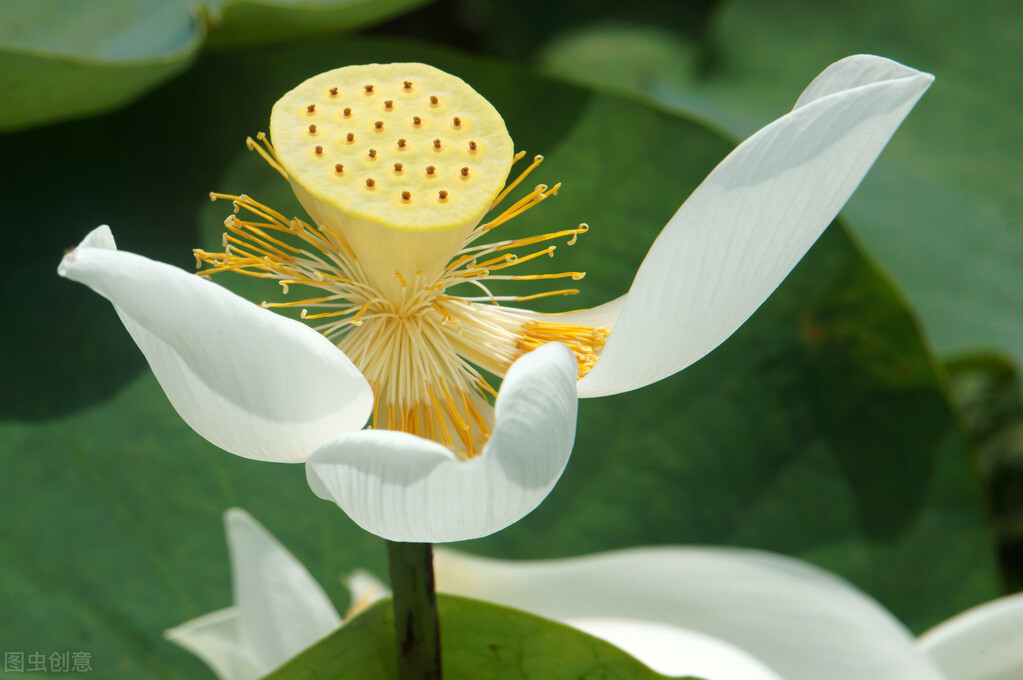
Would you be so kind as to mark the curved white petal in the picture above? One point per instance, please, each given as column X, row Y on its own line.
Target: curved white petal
column 746, row 226
column 983, row 643
column 675, row 651
column 281, row 608
column 798, row 620
column 404, row 488
column 852, row 72
column 602, row 316
column 215, row 639
column 251, row 381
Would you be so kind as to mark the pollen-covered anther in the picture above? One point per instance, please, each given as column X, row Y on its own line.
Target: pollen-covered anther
column 369, row 89
column 312, row 129
column 434, row 100
column 442, row 195
column 311, row 108
column 456, row 121
column 585, row 342
column 318, row 150
column 398, row 167
column 430, row 170
column 464, row 172
column 408, row 84
column 350, row 137
column 472, row 146
column 333, row 91
column 379, row 125
column 370, row 183
column 417, row 121
column 339, row 168
column 372, row 153
column 389, row 104
column 436, row 143
column 406, row 196
column 347, row 112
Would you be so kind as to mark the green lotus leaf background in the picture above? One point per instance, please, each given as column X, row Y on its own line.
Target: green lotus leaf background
column 62, row 59
column 941, row 211
column 821, row 429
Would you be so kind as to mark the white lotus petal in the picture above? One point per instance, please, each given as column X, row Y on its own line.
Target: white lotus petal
column 404, row 488
column 675, row 651
column 281, row 608
column 851, row 72
column 983, row 643
column 100, row 237
column 747, row 225
column 602, row 316
column 215, row 639
column 251, row 381
column 798, row 620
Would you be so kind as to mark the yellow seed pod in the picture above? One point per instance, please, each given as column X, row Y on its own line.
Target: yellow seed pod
column 405, row 146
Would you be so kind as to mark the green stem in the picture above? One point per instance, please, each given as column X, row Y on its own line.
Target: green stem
column 416, row 627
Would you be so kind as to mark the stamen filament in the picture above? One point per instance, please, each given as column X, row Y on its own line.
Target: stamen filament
column 549, row 250
column 537, row 160
column 575, row 276
column 268, row 154
column 550, row 293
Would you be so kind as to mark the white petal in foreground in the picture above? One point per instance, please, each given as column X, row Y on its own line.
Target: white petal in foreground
column 674, row 651
column 279, row 609
column 852, row 72
column 216, row 640
column 983, row 643
column 746, row 226
column 801, row 622
column 282, row 609
column 404, row 488
column 250, row 381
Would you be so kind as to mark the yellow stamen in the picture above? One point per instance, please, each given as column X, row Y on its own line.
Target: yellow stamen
column 574, row 233
column 550, row 293
column 537, row 160
column 575, row 276
column 584, row 341
column 549, row 251
column 268, row 153
column 534, row 198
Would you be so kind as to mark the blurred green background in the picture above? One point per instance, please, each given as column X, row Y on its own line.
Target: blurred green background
column 867, row 419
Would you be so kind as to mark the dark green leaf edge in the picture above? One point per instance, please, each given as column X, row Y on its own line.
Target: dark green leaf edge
column 252, row 22
column 478, row 640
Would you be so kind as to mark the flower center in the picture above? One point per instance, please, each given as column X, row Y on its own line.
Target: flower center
column 385, row 257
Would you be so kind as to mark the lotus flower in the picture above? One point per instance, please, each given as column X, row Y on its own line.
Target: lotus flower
column 398, row 166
